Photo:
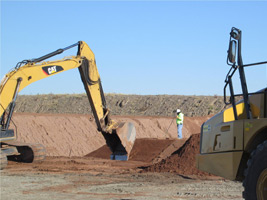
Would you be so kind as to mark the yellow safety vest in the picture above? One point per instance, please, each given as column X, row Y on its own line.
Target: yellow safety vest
column 180, row 118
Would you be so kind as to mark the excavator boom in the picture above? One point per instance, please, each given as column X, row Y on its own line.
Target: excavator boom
column 120, row 137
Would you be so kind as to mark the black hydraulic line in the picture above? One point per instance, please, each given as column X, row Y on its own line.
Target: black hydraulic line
column 84, row 73
column 2, row 118
column 13, row 103
column 71, row 46
column 86, row 67
column 265, row 103
column 24, row 62
column 102, row 95
column 59, row 51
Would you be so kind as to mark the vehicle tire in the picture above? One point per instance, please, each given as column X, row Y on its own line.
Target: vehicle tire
column 3, row 160
column 255, row 182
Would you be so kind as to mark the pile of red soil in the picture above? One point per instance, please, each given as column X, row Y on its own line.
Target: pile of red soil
column 144, row 150
column 183, row 161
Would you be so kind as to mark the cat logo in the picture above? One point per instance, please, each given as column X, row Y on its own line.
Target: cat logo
column 50, row 70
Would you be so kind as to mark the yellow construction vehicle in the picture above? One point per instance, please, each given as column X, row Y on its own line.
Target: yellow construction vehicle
column 120, row 137
column 233, row 143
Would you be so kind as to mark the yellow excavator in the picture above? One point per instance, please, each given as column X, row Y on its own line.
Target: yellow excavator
column 120, row 137
column 233, row 143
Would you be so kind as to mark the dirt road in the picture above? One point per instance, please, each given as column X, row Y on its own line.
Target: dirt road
column 92, row 178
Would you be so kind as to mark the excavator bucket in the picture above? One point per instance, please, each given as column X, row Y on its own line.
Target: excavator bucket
column 121, row 141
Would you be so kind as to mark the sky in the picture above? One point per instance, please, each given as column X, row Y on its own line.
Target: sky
column 141, row 47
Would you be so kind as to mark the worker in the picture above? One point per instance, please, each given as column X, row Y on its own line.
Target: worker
column 179, row 121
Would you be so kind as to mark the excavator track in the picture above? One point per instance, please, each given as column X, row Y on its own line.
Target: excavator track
column 38, row 153
column 3, row 160
column 28, row 153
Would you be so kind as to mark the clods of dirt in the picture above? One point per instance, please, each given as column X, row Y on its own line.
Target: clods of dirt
column 182, row 161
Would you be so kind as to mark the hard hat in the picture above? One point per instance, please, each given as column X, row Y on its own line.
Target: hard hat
column 178, row 110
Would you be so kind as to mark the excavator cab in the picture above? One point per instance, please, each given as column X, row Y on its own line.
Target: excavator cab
column 120, row 137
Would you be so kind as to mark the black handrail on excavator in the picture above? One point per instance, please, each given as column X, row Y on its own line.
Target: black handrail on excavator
column 12, row 105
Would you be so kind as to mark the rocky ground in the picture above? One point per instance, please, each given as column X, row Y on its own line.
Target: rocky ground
column 119, row 104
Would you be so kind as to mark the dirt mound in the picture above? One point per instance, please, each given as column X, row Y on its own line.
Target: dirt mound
column 77, row 135
column 103, row 152
column 182, row 161
column 145, row 150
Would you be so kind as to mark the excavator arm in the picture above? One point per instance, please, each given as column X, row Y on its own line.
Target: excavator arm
column 119, row 137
